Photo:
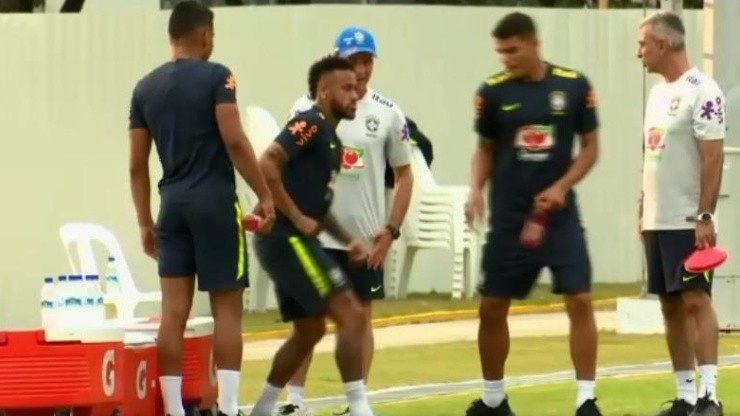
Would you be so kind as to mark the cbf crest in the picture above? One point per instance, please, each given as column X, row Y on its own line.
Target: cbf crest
column 558, row 102
column 372, row 123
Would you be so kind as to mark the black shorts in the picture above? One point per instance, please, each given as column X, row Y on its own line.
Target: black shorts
column 203, row 237
column 304, row 274
column 366, row 282
column 665, row 252
column 510, row 270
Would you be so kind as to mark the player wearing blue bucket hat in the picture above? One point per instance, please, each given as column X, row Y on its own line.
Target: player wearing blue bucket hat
column 377, row 137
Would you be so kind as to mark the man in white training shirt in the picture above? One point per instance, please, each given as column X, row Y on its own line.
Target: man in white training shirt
column 682, row 171
column 378, row 133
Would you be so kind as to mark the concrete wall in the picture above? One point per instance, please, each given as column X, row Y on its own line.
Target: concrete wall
column 67, row 81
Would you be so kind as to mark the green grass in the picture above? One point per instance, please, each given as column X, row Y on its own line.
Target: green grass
column 617, row 396
column 421, row 303
column 458, row 361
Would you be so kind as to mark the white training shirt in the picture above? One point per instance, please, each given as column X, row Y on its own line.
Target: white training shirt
column 677, row 116
column 378, row 131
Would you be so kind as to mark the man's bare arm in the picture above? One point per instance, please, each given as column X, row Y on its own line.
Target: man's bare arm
column 712, row 159
column 401, row 194
column 332, row 226
column 582, row 164
column 481, row 164
column 140, row 143
column 271, row 163
column 239, row 148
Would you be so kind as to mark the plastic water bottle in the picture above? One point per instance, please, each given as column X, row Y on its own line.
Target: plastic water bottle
column 60, row 304
column 74, row 301
column 48, row 301
column 93, row 305
column 112, row 284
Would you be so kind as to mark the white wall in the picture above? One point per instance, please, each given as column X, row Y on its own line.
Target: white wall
column 67, row 80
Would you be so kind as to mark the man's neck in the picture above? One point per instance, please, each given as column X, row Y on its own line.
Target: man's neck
column 538, row 72
column 676, row 66
column 328, row 114
column 183, row 51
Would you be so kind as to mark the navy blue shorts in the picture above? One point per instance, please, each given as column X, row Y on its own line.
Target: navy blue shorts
column 304, row 274
column 366, row 282
column 510, row 270
column 204, row 238
column 665, row 252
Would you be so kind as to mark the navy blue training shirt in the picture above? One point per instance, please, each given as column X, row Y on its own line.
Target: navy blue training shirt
column 176, row 104
column 314, row 156
column 532, row 126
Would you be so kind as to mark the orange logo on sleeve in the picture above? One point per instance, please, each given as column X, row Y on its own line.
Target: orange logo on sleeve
column 230, row 82
column 302, row 131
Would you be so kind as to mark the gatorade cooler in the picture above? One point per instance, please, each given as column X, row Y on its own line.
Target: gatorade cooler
column 141, row 386
column 61, row 371
column 199, row 387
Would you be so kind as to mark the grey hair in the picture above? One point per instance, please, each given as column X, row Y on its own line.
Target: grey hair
column 667, row 26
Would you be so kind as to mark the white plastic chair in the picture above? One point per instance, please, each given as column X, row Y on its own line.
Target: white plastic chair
column 261, row 129
column 83, row 235
column 436, row 219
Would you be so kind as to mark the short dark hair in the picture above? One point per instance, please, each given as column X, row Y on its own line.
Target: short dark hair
column 514, row 24
column 324, row 66
column 187, row 16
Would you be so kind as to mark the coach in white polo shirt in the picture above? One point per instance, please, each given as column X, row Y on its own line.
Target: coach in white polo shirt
column 682, row 171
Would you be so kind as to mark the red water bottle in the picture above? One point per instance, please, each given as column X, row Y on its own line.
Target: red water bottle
column 251, row 222
column 533, row 231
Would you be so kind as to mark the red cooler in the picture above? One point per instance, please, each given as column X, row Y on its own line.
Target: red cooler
column 199, row 386
column 61, row 370
column 141, row 385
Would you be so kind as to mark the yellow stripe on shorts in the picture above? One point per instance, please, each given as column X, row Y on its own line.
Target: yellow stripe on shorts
column 241, row 260
column 315, row 272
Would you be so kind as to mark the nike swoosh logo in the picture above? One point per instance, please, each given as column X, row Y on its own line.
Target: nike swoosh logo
column 510, row 107
column 374, row 289
column 686, row 278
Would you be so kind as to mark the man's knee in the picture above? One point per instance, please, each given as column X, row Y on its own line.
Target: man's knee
column 672, row 306
column 309, row 331
column 579, row 305
column 493, row 310
column 227, row 303
column 695, row 300
column 347, row 312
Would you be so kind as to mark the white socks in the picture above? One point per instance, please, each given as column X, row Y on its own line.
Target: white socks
column 267, row 400
column 708, row 382
column 493, row 393
column 357, row 398
column 295, row 395
column 584, row 391
column 228, row 391
column 171, row 387
column 686, row 386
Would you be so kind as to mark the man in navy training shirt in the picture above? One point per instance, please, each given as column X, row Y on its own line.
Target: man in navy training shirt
column 526, row 118
column 188, row 107
column 301, row 167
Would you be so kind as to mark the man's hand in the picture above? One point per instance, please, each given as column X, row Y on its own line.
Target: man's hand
column 551, row 199
column 474, row 208
column 148, row 243
column 704, row 234
column 265, row 209
column 356, row 252
column 382, row 240
column 307, row 226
